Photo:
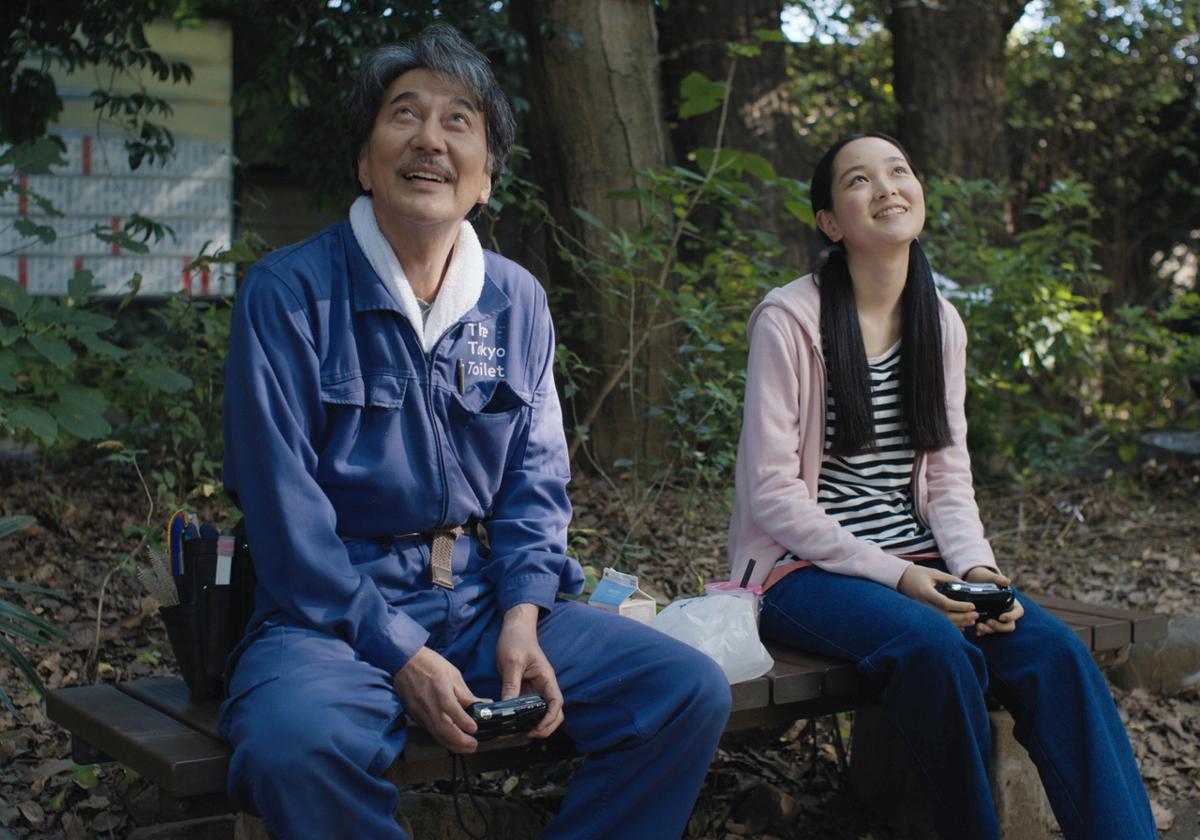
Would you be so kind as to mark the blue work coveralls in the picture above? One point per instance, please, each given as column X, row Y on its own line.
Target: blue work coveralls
column 345, row 441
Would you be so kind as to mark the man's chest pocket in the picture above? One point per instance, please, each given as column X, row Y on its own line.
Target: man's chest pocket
column 490, row 399
column 363, row 410
column 484, row 421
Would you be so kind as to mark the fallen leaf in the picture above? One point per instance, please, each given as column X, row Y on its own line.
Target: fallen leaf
column 106, row 821
column 32, row 811
column 72, row 827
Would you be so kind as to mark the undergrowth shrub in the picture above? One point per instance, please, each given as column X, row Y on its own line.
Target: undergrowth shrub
column 1054, row 372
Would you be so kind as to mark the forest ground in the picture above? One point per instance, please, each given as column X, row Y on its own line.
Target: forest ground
column 1131, row 540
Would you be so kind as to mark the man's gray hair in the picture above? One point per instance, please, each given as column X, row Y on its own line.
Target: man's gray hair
column 440, row 49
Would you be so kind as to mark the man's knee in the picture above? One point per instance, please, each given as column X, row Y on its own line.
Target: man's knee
column 272, row 743
column 703, row 685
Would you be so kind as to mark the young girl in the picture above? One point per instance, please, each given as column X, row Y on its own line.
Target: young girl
column 854, row 499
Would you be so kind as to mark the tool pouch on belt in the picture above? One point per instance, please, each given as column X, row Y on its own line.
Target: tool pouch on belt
column 216, row 600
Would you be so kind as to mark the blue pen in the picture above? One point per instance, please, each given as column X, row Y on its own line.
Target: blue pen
column 175, row 529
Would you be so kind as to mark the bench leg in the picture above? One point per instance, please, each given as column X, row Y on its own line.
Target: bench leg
column 881, row 775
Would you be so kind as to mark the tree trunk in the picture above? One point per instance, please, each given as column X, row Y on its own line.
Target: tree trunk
column 949, row 77
column 596, row 116
column 692, row 37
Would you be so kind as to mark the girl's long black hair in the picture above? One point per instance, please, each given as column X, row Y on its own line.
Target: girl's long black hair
column 922, row 380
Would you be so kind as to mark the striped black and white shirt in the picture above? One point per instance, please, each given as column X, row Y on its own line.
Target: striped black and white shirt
column 870, row 494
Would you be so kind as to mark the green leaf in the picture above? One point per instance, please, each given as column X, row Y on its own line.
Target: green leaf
column 756, row 165
column 85, row 320
column 30, row 229
column 163, row 378
column 297, row 92
column 23, row 666
column 98, row 345
column 13, row 297
column 699, row 95
column 80, row 286
column 802, row 210
column 771, row 35
column 135, row 286
column 81, row 412
column 36, row 157
column 15, row 614
column 13, row 629
column 245, row 249
column 736, row 50
column 57, row 350
column 29, row 587
column 12, row 524
column 28, row 418
column 84, row 775
column 588, row 217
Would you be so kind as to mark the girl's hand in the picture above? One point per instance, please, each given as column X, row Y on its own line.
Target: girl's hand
column 1007, row 622
column 917, row 583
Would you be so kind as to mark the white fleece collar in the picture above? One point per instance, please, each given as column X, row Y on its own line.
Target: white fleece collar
column 460, row 290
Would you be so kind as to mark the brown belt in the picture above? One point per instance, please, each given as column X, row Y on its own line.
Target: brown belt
column 441, row 555
column 441, row 549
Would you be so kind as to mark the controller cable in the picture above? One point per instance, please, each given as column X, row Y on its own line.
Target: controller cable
column 455, row 759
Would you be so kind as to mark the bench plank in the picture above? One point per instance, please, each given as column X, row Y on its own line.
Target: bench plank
column 1083, row 631
column 170, row 696
column 1107, row 633
column 1146, row 626
column 172, row 755
column 838, row 678
column 751, row 694
column 792, row 681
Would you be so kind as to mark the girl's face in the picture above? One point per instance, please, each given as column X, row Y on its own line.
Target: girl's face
column 878, row 202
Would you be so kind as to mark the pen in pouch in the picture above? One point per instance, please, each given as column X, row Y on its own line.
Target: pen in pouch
column 461, row 371
column 175, row 528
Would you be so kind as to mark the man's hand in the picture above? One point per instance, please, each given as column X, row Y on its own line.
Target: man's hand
column 1007, row 622
column 917, row 583
column 524, row 668
column 434, row 694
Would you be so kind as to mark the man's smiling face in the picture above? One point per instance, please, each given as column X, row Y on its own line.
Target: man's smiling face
column 426, row 161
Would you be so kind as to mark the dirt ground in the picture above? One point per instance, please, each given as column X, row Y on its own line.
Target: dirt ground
column 1132, row 541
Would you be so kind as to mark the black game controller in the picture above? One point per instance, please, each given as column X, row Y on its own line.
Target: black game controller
column 990, row 600
column 507, row 717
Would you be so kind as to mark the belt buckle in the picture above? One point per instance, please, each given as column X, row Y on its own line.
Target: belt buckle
column 441, row 556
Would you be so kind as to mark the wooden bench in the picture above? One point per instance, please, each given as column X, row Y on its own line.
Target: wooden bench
column 153, row 726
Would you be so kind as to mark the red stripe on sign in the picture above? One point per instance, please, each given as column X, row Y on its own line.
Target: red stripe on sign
column 187, row 277
column 87, row 155
column 79, row 263
column 23, row 271
column 116, row 226
column 22, row 198
column 204, row 281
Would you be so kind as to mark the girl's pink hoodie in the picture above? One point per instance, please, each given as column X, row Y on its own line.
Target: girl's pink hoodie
column 783, row 436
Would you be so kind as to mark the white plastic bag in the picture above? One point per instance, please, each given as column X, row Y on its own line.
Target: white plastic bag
column 722, row 626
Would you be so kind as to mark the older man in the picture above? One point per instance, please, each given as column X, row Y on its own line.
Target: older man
column 395, row 440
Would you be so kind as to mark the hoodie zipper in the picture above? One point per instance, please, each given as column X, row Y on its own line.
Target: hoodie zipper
column 918, row 467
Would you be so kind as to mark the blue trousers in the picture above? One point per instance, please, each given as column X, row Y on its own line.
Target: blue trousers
column 933, row 678
column 314, row 727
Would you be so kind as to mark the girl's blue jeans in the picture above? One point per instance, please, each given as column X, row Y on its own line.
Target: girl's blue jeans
column 933, row 678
